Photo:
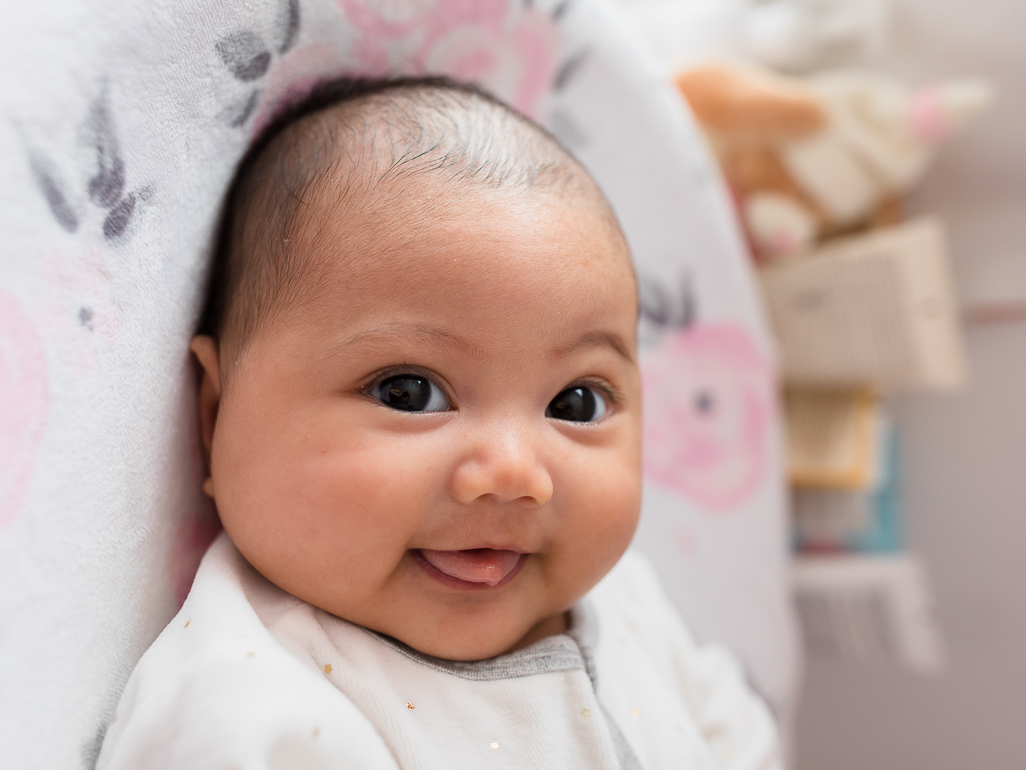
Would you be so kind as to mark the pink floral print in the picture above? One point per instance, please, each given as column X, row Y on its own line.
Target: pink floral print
column 24, row 402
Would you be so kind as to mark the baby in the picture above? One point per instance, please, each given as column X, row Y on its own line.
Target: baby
column 420, row 409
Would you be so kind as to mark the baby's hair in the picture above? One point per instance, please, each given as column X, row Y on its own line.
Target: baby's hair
column 353, row 142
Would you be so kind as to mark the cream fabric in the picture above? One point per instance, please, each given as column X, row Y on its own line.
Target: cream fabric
column 122, row 122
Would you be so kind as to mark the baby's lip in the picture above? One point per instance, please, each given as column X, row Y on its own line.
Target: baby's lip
column 482, row 566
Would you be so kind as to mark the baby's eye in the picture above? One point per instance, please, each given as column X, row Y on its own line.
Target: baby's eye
column 411, row 393
column 577, row 404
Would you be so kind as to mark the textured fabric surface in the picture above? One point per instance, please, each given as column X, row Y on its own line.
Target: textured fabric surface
column 121, row 126
column 248, row 676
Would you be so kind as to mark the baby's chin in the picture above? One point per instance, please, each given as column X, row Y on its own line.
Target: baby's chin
column 470, row 643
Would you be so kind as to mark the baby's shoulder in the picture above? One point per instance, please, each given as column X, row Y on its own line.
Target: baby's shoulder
column 635, row 619
column 633, row 578
column 216, row 689
column 650, row 666
column 632, row 595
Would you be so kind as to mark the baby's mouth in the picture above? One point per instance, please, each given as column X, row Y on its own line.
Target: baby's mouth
column 488, row 566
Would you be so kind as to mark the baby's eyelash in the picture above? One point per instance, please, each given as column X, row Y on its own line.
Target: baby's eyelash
column 612, row 395
column 392, row 371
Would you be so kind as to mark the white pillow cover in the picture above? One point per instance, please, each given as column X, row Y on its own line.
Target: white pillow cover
column 121, row 126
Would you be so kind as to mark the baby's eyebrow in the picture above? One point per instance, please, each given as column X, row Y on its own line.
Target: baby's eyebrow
column 593, row 339
column 420, row 331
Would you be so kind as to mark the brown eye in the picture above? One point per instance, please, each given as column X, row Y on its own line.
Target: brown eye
column 411, row 393
column 577, row 404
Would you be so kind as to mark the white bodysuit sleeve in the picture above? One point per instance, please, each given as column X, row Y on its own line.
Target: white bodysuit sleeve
column 736, row 723
column 230, row 710
column 217, row 691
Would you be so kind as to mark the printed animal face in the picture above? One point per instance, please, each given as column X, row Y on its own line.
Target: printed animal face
column 710, row 405
column 442, row 443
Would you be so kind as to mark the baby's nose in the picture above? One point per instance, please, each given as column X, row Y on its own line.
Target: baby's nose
column 502, row 462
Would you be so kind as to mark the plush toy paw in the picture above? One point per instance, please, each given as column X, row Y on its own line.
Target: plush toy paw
column 778, row 225
column 811, row 157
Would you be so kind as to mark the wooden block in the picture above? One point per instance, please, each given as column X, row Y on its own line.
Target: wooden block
column 876, row 309
column 832, row 437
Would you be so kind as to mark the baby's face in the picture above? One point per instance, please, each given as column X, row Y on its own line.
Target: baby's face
column 443, row 443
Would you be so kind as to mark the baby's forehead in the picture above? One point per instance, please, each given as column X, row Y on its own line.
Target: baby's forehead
column 406, row 131
column 388, row 191
column 382, row 161
column 401, row 150
column 375, row 228
column 466, row 262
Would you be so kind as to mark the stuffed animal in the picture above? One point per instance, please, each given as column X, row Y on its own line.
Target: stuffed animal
column 812, row 157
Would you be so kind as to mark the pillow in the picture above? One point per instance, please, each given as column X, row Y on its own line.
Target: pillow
column 123, row 124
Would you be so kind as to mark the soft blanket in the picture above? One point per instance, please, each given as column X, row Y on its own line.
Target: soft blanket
column 120, row 126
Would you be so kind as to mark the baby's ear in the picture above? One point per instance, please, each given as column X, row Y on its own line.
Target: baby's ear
column 205, row 350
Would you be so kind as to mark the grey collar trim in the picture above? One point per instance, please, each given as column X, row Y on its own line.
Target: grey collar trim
column 572, row 651
column 564, row 652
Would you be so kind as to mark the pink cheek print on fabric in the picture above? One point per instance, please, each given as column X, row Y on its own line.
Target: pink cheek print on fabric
column 24, row 403
column 194, row 536
column 508, row 52
column 708, row 404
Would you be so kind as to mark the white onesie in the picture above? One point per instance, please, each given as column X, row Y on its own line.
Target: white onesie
column 250, row 677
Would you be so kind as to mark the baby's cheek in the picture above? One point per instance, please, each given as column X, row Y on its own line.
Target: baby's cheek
column 603, row 521
column 275, row 493
column 337, row 511
column 619, row 491
column 617, row 510
column 356, row 499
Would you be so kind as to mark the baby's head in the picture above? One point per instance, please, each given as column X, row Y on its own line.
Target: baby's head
column 420, row 402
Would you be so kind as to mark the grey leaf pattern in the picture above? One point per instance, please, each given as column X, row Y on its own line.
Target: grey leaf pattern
column 560, row 10
column 119, row 217
column 45, row 176
column 245, row 54
column 236, row 115
column 290, row 25
column 569, row 69
column 660, row 307
column 248, row 58
column 108, row 178
column 85, row 317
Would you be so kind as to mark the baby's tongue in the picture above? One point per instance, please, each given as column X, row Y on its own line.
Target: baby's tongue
column 478, row 565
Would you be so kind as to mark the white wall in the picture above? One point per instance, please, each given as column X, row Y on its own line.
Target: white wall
column 979, row 181
column 965, row 493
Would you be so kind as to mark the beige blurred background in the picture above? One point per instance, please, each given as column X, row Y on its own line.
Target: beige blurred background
column 963, row 455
